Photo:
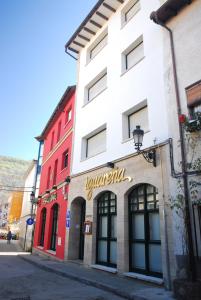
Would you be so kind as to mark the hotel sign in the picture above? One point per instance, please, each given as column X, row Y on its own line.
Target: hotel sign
column 50, row 198
column 115, row 176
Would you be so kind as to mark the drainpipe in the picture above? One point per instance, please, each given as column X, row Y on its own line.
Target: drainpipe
column 191, row 258
column 66, row 50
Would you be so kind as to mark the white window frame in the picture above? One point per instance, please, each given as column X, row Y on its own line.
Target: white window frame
column 139, row 42
column 126, row 135
column 133, row 4
column 103, row 37
column 85, row 140
column 92, row 85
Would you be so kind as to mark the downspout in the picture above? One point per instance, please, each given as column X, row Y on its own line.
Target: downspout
column 34, row 190
column 191, row 259
column 66, row 50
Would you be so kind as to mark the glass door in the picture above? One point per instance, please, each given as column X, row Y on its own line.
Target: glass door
column 144, row 231
column 42, row 233
column 82, row 219
column 107, row 230
column 54, row 227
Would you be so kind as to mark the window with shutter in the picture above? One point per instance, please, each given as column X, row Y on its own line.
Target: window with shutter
column 139, row 117
column 98, row 47
column 132, row 9
column 97, row 87
column 96, row 144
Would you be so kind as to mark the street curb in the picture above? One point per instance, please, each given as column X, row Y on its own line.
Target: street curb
column 89, row 282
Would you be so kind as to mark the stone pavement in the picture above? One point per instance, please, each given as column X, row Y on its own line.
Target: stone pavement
column 8, row 249
column 118, row 285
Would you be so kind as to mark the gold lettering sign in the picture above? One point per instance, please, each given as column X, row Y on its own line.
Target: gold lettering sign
column 115, row 176
column 49, row 199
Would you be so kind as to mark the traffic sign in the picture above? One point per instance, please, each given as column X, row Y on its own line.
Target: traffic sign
column 30, row 221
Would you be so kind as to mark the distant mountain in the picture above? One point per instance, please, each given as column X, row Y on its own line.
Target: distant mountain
column 12, row 172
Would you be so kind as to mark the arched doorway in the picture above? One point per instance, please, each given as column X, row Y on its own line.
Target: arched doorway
column 144, row 231
column 82, row 220
column 42, row 231
column 54, row 212
column 76, row 235
column 106, row 253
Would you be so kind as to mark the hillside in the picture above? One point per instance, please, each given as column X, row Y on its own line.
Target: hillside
column 12, row 171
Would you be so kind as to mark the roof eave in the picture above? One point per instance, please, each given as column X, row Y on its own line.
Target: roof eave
column 168, row 10
column 98, row 4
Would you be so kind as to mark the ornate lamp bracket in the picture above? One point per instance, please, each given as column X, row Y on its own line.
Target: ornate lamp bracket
column 150, row 156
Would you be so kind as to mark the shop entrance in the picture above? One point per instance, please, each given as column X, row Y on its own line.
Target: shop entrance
column 55, row 210
column 42, row 231
column 107, row 230
column 144, row 231
column 82, row 219
column 76, row 232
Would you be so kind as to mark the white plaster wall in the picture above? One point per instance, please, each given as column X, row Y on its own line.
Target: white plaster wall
column 187, row 41
column 26, row 205
column 143, row 81
column 26, row 231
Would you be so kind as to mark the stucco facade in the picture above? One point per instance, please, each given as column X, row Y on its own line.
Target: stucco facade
column 185, row 27
column 25, row 231
column 50, row 228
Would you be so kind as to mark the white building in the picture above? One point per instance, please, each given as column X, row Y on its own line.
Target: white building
column 183, row 98
column 128, row 220
column 26, row 231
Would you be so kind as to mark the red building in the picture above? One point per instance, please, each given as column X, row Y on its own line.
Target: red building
column 50, row 229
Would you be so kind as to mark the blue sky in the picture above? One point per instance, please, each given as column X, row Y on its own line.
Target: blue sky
column 34, row 68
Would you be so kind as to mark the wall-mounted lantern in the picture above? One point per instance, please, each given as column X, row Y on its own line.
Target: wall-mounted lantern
column 149, row 155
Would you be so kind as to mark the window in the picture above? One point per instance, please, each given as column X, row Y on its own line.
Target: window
column 144, row 231
column 139, row 117
column 48, row 178
column 54, row 213
column 65, row 159
column 194, row 98
column 55, row 172
column 133, row 54
column 107, row 230
column 98, row 47
column 42, row 230
column 97, row 86
column 130, row 10
column 52, row 141
column 68, row 115
column 59, row 131
column 96, row 144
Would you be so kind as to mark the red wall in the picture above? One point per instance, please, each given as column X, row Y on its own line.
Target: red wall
column 49, row 158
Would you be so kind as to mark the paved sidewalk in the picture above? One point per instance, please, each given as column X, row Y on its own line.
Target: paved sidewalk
column 13, row 247
column 127, row 288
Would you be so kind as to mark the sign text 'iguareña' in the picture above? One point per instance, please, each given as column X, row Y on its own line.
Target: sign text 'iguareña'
column 115, row 176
